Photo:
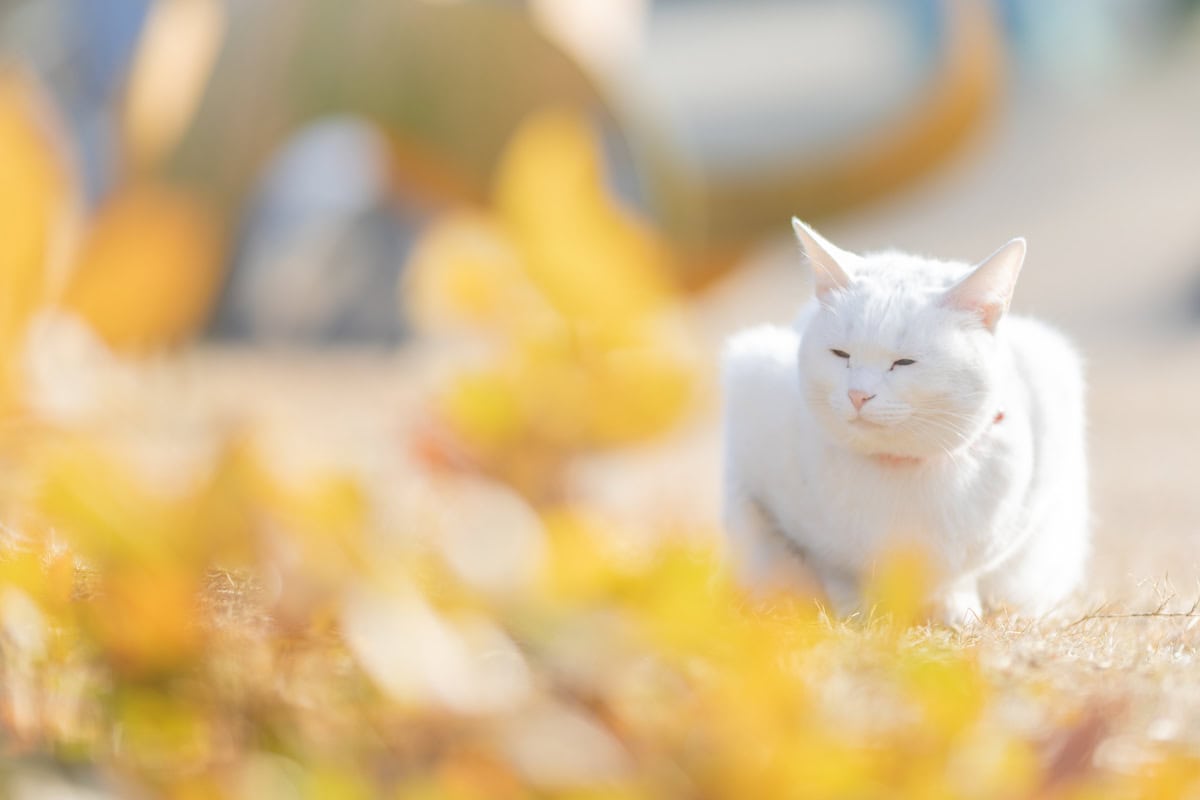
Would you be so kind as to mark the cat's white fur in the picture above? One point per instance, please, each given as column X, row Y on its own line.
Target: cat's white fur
column 975, row 452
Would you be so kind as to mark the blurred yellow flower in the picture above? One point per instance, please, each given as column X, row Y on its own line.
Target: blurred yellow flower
column 582, row 340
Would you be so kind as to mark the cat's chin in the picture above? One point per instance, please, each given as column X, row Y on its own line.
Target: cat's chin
column 881, row 443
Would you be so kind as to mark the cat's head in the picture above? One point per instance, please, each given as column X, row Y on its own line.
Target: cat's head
column 900, row 357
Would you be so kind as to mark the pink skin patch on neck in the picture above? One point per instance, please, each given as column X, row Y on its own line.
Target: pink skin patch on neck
column 896, row 461
column 888, row 460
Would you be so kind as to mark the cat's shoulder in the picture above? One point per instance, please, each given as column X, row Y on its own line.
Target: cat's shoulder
column 1047, row 360
column 1040, row 341
column 760, row 382
column 760, row 347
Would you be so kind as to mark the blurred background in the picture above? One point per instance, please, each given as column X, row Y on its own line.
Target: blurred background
column 308, row 193
column 257, row 175
column 358, row 424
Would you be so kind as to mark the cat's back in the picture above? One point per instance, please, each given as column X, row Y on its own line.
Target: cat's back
column 1051, row 371
column 761, row 387
column 759, row 368
column 1048, row 363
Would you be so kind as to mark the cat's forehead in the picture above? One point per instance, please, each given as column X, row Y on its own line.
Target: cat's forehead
column 890, row 296
column 879, row 313
column 895, row 271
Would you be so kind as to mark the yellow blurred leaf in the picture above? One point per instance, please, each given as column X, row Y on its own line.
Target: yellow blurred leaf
column 638, row 392
column 163, row 734
column 483, row 408
column 311, row 538
column 466, row 775
column 899, row 588
column 585, row 344
column 149, row 269
column 109, row 516
column 329, row 508
column 145, row 617
column 1008, row 766
column 34, row 208
column 827, row 767
column 467, row 272
column 576, row 571
column 591, row 258
column 681, row 602
column 950, row 693
column 336, row 784
column 1176, row 775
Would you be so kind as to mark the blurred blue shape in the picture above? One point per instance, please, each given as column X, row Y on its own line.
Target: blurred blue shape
column 1088, row 44
column 323, row 244
column 81, row 50
column 106, row 34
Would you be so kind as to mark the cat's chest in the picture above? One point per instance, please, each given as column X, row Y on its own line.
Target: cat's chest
column 851, row 508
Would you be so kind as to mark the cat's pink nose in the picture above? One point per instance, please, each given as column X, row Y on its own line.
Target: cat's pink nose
column 859, row 399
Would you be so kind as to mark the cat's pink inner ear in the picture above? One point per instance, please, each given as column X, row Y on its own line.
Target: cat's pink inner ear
column 987, row 290
column 828, row 275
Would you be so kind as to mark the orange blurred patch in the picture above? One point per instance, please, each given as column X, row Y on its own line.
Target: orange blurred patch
column 149, row 270
column 145, row 617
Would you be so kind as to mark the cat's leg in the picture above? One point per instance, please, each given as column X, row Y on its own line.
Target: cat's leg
column 1042, row 572
column 1047, row 567
column 761, row 557
column 843, row 592
column 957, row 604
column 765, row 560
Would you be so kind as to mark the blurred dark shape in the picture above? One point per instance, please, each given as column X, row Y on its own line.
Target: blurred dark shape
column 325, row 240
column 448, row 83
column 82, row 50
column 1193, row 299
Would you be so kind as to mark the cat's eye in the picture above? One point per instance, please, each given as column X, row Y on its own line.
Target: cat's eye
column 840, row 353
column 903, row 362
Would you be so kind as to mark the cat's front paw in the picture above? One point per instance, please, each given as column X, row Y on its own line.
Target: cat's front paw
column 843, row 595
column 959, row 608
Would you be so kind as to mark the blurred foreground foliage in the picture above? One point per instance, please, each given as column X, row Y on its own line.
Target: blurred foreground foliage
column 244, row 633
column 563, row 303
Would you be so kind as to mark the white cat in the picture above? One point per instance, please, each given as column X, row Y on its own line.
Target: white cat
column 904, row 406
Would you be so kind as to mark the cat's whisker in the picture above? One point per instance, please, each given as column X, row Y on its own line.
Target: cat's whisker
column 952, row 420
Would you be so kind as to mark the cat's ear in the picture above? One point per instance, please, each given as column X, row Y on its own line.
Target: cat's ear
column 988, row 288
column 828, row 274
